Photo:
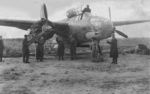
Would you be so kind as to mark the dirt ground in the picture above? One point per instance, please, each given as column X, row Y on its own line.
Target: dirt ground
column 130, row 76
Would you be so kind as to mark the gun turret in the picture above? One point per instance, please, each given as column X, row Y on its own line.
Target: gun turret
column 73, row 12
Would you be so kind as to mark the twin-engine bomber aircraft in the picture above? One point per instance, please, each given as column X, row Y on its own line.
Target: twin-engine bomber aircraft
column 83, row 30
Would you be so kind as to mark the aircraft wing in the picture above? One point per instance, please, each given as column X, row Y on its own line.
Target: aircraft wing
column 61, row 28
column 21, row 24
column 120, row 23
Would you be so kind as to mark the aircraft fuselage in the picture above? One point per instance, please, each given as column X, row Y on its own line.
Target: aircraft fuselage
column 89, row 26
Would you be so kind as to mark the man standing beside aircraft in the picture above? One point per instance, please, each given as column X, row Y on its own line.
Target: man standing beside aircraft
column 40, row 49
column 113, row 49
column 100, row 57
column 25, row 50
column 95, row 50
column 1, row 48
column 73, row 48
column 61, row 48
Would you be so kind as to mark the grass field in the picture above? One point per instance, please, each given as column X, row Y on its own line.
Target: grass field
column 130, row 76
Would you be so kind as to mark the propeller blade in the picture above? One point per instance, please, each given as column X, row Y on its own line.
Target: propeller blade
column 36, row 37
column 121, row 33
column 109, row 13
column 44, row 12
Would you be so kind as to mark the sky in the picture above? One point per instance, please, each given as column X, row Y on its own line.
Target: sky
column 121, row 10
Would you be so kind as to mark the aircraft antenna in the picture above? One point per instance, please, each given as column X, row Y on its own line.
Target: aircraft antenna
column 81, row 7
column 109, row 13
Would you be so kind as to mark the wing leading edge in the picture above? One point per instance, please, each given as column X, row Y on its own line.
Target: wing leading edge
column 120, row 23
column 21, row 24
column 25, row 24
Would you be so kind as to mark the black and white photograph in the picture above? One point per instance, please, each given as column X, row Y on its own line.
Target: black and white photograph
column 74, row 46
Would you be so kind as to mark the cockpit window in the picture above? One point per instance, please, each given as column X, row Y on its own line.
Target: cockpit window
column 96, row 22
column 78, row 18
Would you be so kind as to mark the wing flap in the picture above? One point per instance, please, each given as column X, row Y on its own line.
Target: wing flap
column 120, row 23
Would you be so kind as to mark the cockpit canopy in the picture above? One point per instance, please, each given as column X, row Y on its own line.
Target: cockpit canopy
column 73, row 12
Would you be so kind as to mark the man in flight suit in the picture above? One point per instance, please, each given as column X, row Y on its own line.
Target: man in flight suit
column 1, row 48
column 25, row 50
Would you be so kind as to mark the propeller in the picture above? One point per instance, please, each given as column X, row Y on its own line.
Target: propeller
column 117, row 31
column 121, row 33
column 45, row 26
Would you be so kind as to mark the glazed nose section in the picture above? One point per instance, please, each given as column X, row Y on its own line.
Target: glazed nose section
column 96, row 31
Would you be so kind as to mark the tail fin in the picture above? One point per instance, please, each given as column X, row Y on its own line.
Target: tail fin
column 109, row 13
column 44, row 12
